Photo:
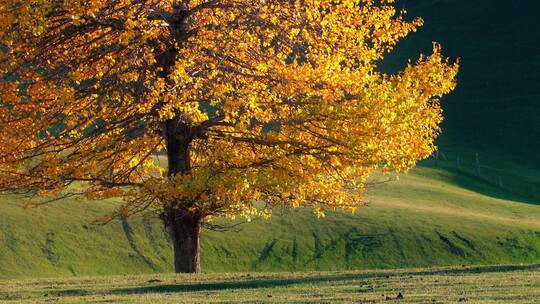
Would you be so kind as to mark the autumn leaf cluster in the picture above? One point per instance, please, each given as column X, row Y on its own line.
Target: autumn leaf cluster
column 283, row 100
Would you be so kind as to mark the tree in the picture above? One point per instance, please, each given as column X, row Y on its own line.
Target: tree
column 255, row 104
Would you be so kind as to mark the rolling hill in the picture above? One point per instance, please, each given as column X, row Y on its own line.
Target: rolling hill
column 494, row 113
column 427, row 218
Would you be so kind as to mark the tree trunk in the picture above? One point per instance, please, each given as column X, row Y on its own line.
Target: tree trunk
column 183, row 226
column 185, row 231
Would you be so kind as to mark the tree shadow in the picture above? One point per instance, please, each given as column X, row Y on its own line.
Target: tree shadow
column 485, row 185
column 131, row 240
column 272, row 283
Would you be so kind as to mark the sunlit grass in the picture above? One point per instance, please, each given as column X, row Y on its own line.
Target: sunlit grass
column 496, row 284
column 429, row 217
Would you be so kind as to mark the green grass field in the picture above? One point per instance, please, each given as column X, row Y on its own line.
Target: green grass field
column 427, row 218
column 496, row 284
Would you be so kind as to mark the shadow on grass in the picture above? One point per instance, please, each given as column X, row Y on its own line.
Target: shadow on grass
column 486, row 186
column 271, row 283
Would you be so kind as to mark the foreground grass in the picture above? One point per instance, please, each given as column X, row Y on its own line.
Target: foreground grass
column 488, row 284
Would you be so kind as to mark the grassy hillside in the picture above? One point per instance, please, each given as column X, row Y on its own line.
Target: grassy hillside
column 425, row 219
column 500, row 284
column 491, row 119
column 496, row 105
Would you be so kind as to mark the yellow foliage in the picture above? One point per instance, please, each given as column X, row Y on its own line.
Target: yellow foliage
column 276, row 102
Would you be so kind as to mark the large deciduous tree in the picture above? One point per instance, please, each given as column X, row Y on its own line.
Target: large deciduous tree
column 254, row 104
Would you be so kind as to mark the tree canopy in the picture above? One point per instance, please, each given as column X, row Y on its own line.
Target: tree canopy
column 271, row 101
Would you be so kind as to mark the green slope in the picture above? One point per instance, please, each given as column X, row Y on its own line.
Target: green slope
column 424, row 219
column 495, row 107
column 494, row 111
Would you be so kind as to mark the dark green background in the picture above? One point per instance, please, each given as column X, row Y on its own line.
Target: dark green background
column 495, row 109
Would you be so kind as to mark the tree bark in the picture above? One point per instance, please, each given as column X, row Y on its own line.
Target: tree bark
column 183, row 226
column 185, row 230
column 178, row 137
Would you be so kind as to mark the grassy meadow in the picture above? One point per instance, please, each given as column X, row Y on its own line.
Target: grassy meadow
column 495, row 284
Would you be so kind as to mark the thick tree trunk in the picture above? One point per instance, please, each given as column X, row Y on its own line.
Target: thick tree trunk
column 185, row 231
column 178, row 136
column 183, row 226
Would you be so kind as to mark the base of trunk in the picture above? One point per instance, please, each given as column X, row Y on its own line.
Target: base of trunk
column 185, row 230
